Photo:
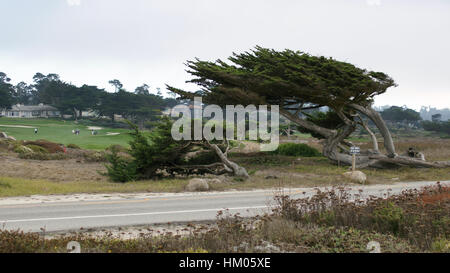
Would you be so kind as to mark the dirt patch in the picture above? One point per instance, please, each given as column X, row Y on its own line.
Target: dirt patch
column 135, row 232
column 53, row 170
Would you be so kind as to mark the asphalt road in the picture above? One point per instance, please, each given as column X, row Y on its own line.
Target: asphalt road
column 153, row 209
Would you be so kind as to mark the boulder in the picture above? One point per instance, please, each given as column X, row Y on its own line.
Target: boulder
column 356, row 176
column 3, row 135
column 214, row 181
column 197, row 184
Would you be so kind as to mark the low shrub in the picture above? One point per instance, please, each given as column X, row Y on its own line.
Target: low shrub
column 20, row 149
column 43, row 156
column 409, row 215
column 51, row 147
column 296, row 149
column 119, row 169
column 118, row 148
column 37, row 149
column 92, row 156
column 231, row 234
column 73, row 146
column 389, row 216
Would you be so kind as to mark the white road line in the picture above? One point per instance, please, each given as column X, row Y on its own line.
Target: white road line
column 126, row 215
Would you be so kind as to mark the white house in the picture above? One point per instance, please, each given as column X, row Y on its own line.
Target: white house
column 31, row 111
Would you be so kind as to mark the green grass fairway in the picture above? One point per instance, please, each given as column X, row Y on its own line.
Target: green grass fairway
column 61, row 132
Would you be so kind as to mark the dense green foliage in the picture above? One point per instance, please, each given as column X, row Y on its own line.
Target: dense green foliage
column 264, row 76
column 150, row 153
column 119, row 169
column 296, row 149
column 157, row 154
column 400, row 114
column 138, row 107
column 434, row 126
column 329, row 120
column 6, row 91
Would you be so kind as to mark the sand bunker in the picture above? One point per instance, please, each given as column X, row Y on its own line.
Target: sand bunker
column 94, row 128
column 112, row 134
column 17, row 126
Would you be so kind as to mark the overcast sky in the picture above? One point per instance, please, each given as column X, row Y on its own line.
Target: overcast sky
column 146, row 41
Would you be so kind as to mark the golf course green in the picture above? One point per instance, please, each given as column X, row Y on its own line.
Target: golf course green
column 60, row 131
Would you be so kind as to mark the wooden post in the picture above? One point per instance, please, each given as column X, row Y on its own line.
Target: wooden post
column 289, row 130
column 354, row 150
column 353, row 162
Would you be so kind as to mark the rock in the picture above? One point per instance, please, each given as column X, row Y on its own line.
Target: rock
column 11, row 138
column 3, row 135
column 214, row 181
column 420, row 156
column 197, row 184
column 267, row 247
column 356, row 176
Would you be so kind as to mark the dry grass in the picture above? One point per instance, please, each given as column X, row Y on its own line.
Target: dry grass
column 266, row 171
column 419, row 216
column 72, row 170
column 435, row 149
column 25, row 187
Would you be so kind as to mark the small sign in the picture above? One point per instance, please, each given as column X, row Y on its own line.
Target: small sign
column 355, row 150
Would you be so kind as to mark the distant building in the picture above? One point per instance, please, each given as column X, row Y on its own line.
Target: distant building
column 31, row 111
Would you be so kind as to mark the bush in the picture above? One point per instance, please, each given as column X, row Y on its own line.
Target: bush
column 435, row 126
column 37, row 149
column 150, row 153
column 294, row 149
column 42, row 156
column 73, row 146
column 91, row 156
column 20, row 149
column 119, row 169
column 390, row 216
column 421, row 217
column 118, row 148
column 51, row 147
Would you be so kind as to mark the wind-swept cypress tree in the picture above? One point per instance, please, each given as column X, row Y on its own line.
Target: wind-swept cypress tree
column 297, row 81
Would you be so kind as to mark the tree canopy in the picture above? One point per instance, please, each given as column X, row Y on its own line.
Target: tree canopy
column 6, row 91
column 139, row 107
column 297, row 82
column 400, row 114
column 280, row 77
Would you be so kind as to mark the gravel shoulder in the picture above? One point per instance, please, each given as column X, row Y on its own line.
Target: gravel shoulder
column 44, row 199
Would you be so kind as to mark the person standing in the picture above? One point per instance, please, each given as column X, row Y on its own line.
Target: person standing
column 35, row 130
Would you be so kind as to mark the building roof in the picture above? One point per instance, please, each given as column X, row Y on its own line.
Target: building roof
column 40, row 107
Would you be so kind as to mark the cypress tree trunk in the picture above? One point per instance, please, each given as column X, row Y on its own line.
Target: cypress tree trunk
column 381, row 125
